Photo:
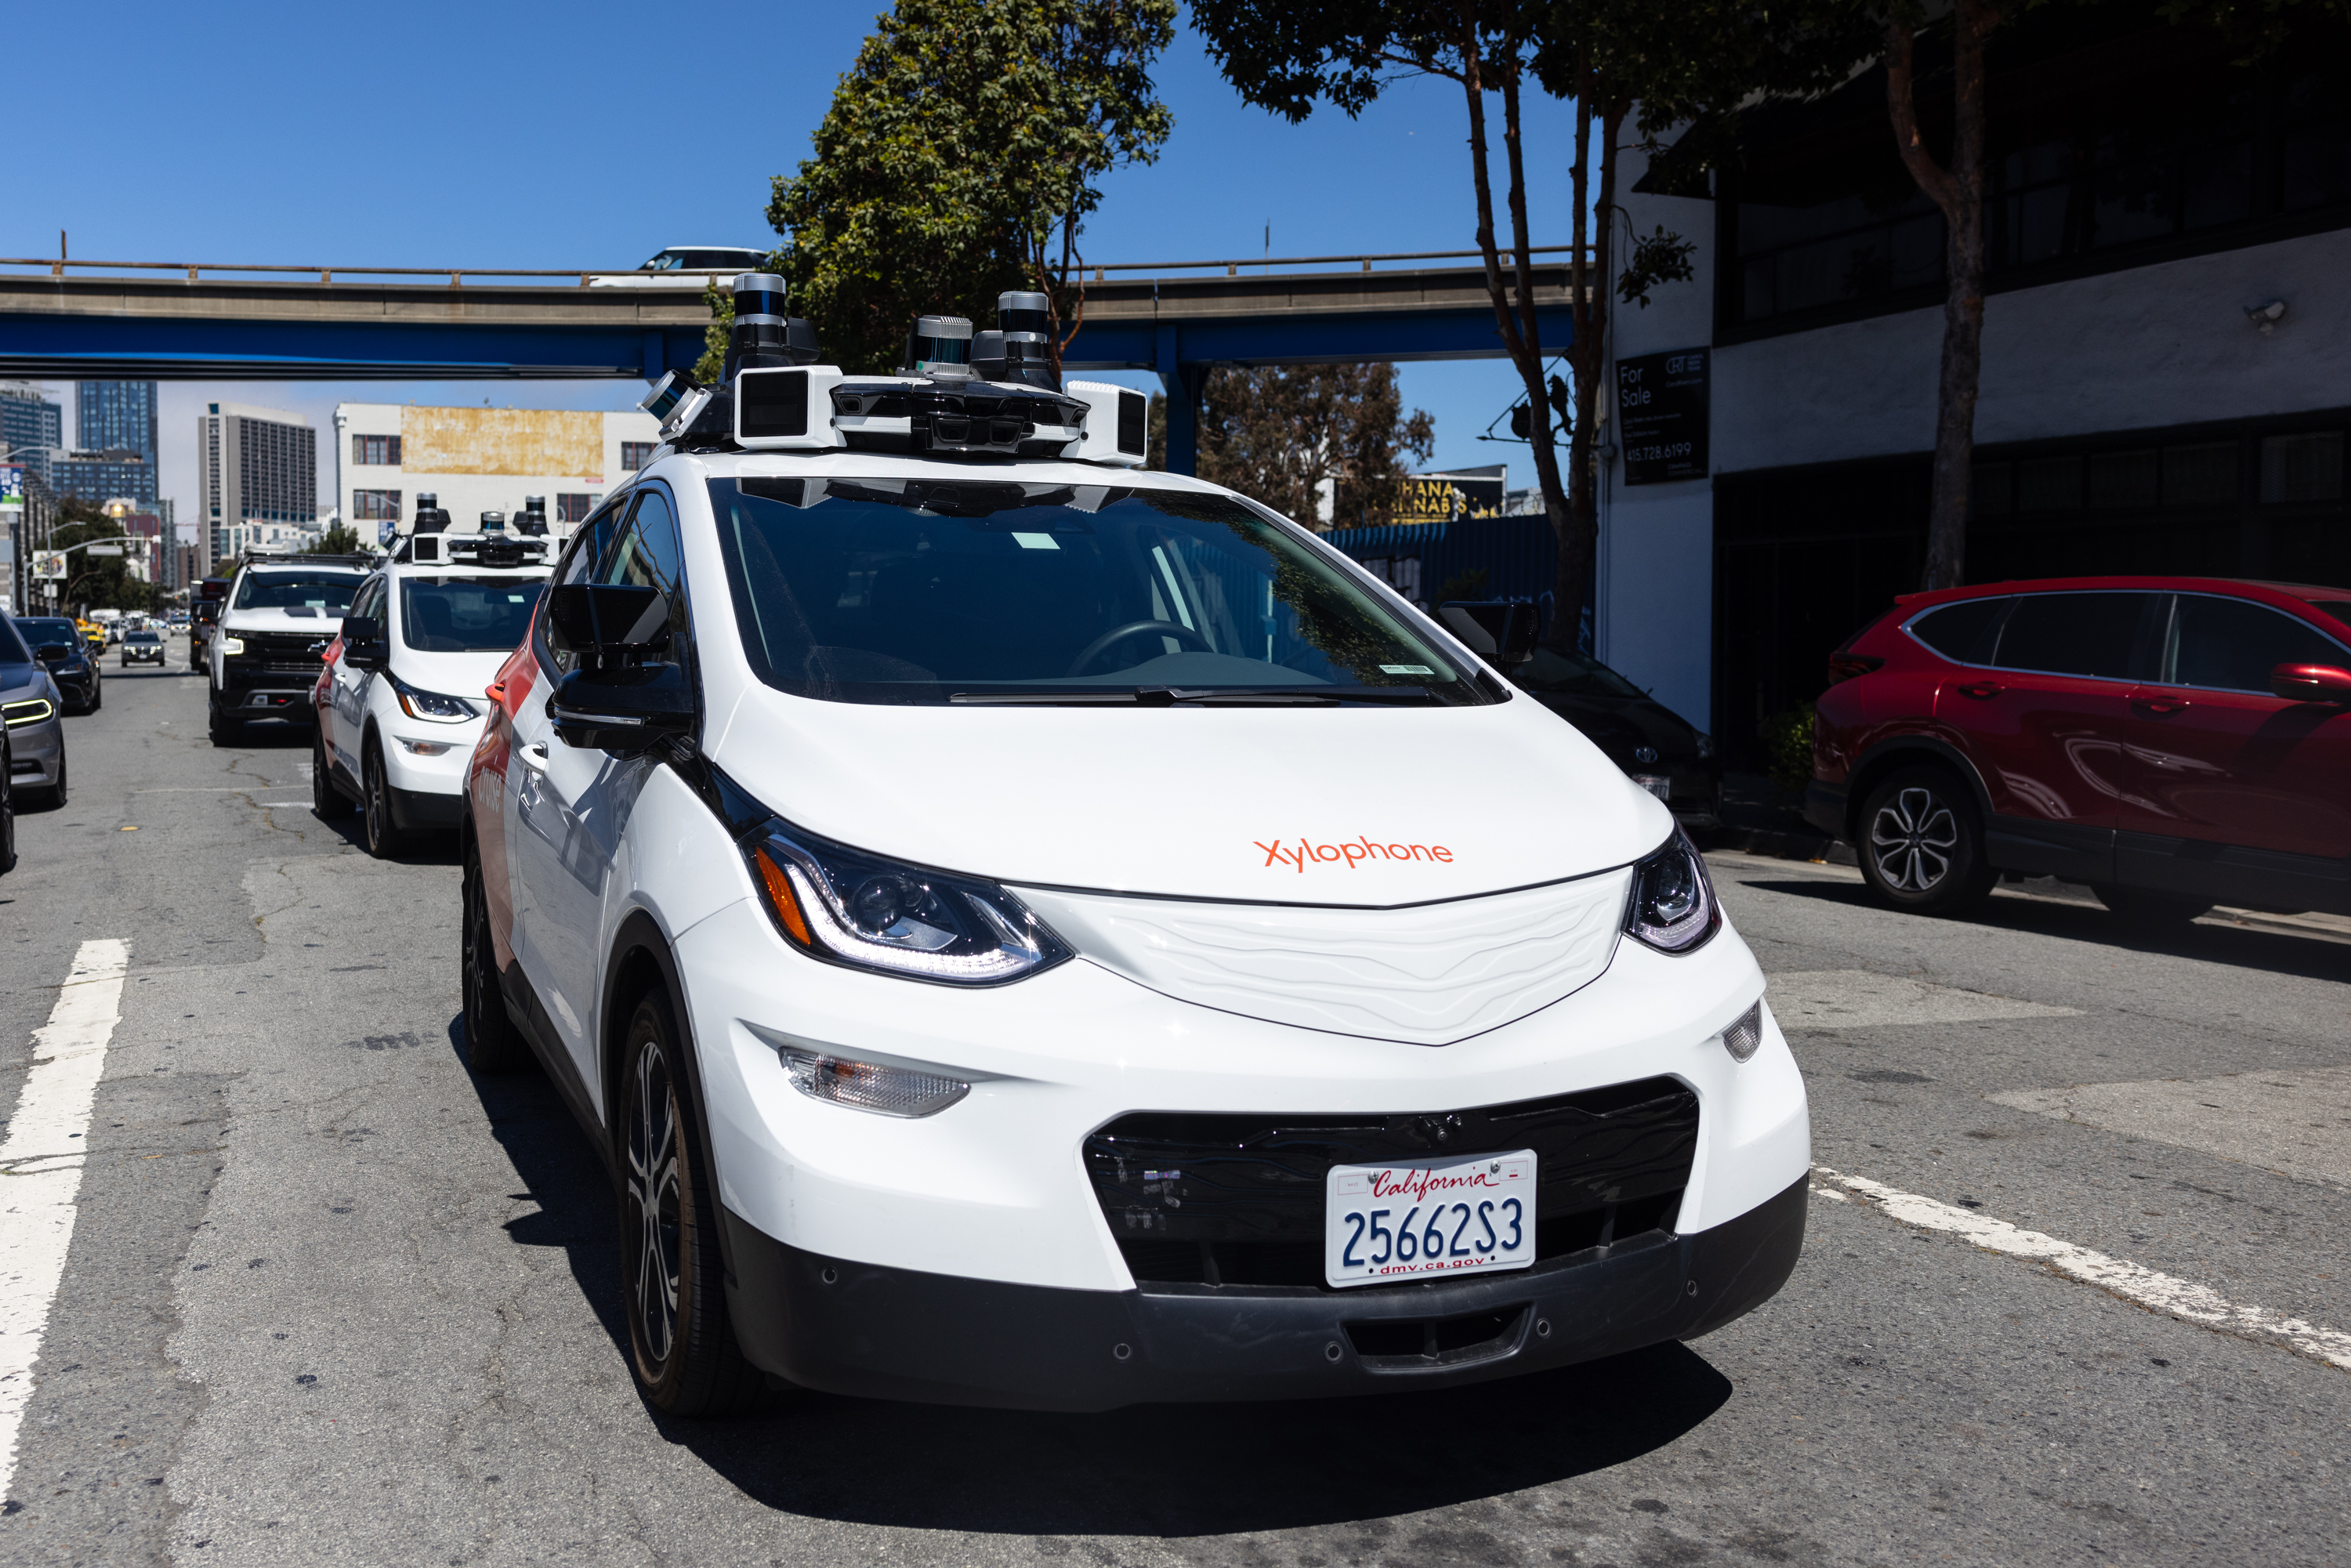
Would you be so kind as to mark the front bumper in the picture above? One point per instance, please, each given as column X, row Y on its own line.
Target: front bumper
column 861, row 1330
column 37, row 754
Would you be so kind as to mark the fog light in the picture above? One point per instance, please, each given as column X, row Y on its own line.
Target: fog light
column 863, row 1086
column 1745, row 1033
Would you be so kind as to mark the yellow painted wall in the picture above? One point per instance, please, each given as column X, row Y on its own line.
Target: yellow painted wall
column 519, row 441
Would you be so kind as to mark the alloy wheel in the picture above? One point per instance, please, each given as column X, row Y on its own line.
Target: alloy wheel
column 1913, row 838
column 654, row 1211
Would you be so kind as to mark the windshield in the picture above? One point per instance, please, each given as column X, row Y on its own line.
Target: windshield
column 43, row 630
column 329, row 593
column 467, row 615
column 918, row 591
column 1551, row 669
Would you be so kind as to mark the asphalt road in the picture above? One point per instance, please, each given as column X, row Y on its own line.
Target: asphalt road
column 328, row 1299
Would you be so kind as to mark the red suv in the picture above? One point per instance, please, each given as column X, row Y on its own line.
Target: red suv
column 2174, row 742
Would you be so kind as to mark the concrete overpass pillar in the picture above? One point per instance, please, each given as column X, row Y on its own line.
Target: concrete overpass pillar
column 1183, row 383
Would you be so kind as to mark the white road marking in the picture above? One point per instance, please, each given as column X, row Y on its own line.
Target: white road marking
column 2295, row 1120
column 40, row 1169
column 2174, row 1297
column 1858, row 998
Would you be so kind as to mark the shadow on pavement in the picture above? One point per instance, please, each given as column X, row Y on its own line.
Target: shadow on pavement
column 2310, row 957
column 1151, row 1470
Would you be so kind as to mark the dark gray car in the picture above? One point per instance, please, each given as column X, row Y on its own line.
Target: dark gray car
column 33, row 710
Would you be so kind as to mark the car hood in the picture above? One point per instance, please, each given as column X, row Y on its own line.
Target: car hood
column 1334, row 806
column 323, row 624
column 452, row 675
column 1621, row 723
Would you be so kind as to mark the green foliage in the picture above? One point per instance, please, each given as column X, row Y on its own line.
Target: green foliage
column 960, row 159
column 1787, row 740
column 713, row 363
column 1275, row 434
column 336, row 540
column 96, row 582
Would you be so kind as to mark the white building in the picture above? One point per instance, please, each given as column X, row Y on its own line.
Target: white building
column 481, row 459
column 257, row 478
column 2136, row 415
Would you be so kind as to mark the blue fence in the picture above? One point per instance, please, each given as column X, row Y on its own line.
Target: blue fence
column 1429, row 562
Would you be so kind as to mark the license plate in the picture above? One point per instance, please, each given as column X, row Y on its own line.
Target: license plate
column 1421, row 1217
column 1655, row 784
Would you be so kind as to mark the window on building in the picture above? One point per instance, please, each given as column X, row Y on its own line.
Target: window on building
column 2099, row 148
column 635, row 455
column 375, row 505
column 376, row 451
column 574, row 507
column 2307, row 467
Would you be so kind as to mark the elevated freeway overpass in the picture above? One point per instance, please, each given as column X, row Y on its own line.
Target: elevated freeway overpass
column 174, row 321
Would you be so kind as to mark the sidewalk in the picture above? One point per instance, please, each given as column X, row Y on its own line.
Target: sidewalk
column 1756, row 821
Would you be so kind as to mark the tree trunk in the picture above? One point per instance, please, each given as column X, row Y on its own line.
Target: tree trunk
column 1958, row 192
column 1520, row 331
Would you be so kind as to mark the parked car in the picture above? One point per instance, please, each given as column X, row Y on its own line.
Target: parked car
column 58, row 642
column 265, row 655
column 1657, row 747
column 684, row 267
column 32, row 711
column 142, row 647
column 2172, row 742
column 7, row 806
column 400, row 701
column 894, row 855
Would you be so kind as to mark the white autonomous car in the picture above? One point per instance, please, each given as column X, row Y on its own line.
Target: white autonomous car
column 399, row 700
column 1024, row 930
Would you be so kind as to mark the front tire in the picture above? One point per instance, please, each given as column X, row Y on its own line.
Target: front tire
column 1922, row 845
column 492, row 1044
column 54, row 797
column 383, row 836
column 680, row 1340
column 225, row 730
column 2149, row 911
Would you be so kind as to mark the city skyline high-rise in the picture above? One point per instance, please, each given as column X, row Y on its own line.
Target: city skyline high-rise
column 115, row 416
column 32, row 428
column 255, row 466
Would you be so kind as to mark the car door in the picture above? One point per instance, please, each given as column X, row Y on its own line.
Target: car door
column 2222, row 759
column 2044, row 723
column 347, row 693
column 571, row 804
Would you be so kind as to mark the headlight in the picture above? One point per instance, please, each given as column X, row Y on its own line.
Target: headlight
column 432, row 705
column 1672, row 907
column 851, row 908
column 232, row 645
column 32, row 710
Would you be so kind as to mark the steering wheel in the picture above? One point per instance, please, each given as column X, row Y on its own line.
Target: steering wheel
column 1095, row 649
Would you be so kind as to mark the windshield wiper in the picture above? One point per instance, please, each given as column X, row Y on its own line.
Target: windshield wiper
column 1203, row 696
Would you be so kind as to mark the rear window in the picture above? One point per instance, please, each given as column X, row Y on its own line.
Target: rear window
column 1962, row 633
column 2092, row 634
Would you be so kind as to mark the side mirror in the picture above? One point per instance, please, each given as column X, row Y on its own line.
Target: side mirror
column 363, row 646
column 1495, row 630
column 2312, row 683
column 606, row 618
column 626, row 710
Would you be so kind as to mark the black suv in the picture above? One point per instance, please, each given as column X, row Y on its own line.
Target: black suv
column 57, row 644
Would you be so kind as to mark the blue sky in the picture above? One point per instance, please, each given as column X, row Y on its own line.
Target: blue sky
column 434, row 134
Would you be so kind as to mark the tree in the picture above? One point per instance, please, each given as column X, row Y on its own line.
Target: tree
column 97, row 581
column 1958, row 190
column 960, row 158
column 1278, row 433
column 336, row 540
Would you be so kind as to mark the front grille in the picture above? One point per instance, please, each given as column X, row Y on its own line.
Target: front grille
column 1202, row 1199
